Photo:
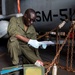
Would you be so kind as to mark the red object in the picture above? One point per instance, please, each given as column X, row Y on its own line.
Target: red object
column 71, row 35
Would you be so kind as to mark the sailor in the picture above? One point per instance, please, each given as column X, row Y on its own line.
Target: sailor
column 23, row 38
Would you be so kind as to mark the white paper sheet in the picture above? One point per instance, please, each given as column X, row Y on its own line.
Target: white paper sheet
column 47, row 42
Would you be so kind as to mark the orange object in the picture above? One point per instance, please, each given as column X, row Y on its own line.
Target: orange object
column 18, row 6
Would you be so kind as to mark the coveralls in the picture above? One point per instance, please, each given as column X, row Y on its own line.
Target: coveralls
column 16, row 46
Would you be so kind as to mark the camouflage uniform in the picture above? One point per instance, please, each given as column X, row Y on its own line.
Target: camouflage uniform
column 17, row 47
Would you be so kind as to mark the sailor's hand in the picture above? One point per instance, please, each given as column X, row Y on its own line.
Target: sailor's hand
column 34, row 43
column 38, row 63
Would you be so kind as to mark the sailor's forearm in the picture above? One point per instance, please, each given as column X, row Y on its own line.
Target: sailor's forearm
column 25, row 39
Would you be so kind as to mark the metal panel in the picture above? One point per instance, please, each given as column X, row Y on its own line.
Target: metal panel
column 49, row 12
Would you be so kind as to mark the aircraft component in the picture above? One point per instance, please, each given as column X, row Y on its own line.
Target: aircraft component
column 62, row 24
column 18, row 6
column 3, row 28
column 19, row 14
column 49, row 12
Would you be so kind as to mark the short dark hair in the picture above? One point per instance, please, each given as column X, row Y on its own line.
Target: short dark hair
column 30, row 10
